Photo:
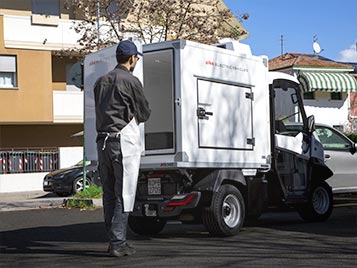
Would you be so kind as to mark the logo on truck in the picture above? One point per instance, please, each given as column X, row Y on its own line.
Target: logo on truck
column 226, row 66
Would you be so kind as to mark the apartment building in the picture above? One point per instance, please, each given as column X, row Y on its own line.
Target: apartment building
column 39, row 105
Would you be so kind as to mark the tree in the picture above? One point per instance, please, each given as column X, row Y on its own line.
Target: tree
column 105, row 22
column 198, row 20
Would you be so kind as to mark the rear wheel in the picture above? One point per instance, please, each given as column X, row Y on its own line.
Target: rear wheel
column 320, row 205
column 146, row 225
column 226, row 214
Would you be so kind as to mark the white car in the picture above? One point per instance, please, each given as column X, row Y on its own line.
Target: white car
column 340, row 157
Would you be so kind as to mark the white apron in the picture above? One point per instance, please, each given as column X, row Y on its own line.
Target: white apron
column 131, row 150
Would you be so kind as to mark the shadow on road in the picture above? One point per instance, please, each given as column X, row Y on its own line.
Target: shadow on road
column 89, row 239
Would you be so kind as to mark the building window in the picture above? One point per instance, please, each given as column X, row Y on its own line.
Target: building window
column 336, row 96
column 8, row 76
column 46, row 7
column 309, row 95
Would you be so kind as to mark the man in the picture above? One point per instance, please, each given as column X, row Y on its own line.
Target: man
column 120, row 105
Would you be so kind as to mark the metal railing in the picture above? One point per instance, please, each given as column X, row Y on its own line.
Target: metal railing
column 28, row 160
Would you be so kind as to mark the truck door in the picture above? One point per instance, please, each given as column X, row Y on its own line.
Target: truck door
column 292, row 148
column 224, row 113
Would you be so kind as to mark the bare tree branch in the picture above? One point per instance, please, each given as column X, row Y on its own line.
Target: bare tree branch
column 152, row 20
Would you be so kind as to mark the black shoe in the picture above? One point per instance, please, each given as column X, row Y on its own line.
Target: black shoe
column 122, row 251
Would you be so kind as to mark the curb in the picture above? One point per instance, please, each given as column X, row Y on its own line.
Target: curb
column 88, row 201
column 25, row 205
column 43, row 204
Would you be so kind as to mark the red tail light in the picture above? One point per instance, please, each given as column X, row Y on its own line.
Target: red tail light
column 181, row 202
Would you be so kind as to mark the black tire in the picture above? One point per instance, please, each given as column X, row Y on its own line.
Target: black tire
column 146, row 225
column 78, row 184
column 226, row 214
column 62, row 194
column 320, row 204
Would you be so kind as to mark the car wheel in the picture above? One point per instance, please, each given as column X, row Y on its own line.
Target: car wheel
column 226, row 214
column 146, row 225
column 320, row 204
column 78, row 185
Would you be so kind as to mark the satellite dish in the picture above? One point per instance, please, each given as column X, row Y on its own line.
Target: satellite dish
column 316, row 47
column 75, row 74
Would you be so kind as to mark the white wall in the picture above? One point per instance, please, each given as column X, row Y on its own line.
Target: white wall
column 67, row 107
column 21, row 182
column 68, row 156
column 327, row 111
column 19, row 32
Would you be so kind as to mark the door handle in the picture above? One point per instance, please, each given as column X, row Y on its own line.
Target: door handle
column 327, row 157
column 203, row 114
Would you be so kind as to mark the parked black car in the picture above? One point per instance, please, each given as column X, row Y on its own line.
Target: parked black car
column 67, row 181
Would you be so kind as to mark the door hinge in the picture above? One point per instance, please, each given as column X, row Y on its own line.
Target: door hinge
column 251, row 141
column 249, row 95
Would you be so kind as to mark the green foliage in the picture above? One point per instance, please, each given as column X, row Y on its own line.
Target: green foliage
column 93, row 191
column 352, row 136
column 83, row 200
column 79, row 203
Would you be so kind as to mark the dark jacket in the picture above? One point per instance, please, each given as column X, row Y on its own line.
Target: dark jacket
column 119, row 96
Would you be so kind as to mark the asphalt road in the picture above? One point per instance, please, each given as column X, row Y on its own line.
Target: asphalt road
column 74, row 238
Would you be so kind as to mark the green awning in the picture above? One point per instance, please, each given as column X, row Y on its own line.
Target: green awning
column 328, row 81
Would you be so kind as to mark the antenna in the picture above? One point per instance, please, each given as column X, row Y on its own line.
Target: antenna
column 282, row 44
column 315, row 46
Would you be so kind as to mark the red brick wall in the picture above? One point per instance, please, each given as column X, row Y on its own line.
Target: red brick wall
column 353, row 102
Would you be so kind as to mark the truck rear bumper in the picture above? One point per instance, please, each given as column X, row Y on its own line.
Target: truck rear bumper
column 165, row 207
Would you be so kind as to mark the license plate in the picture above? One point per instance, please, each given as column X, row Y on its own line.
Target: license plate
column 154, row 186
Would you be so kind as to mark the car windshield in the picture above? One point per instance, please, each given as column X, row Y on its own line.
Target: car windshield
column 80, row 163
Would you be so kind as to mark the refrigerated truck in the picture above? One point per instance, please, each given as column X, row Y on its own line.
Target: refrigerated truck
column 215, row 149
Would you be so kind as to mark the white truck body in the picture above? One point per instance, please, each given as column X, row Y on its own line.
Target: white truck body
column 182, row 77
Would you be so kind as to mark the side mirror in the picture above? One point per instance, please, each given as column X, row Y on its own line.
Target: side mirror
column 311, row 124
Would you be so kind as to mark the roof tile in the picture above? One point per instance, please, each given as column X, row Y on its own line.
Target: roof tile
column 303, row 60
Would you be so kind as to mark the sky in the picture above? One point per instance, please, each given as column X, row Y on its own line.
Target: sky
column 334, row 22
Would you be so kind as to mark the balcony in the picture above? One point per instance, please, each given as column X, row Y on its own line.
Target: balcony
column 29, row 33
column 68, row 106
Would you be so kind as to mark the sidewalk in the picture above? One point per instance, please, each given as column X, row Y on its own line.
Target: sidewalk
column 29, row 200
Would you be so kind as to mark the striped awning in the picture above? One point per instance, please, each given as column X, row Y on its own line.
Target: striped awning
column 328, row 81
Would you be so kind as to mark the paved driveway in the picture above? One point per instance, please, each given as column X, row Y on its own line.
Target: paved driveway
column 74, row 238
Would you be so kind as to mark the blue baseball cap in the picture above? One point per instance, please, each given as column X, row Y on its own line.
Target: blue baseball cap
column 127, row 48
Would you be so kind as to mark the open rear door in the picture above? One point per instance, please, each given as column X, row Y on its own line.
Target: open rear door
column 224, row 113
